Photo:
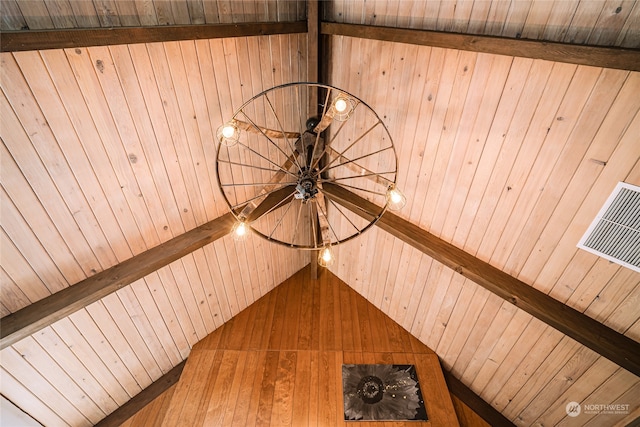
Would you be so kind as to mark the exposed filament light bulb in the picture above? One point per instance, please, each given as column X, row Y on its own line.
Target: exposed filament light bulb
column 326, row 257
column 343, row 107
column 240, row 231
column 340, row 105
column 228, row 134
column 395, row 199
column 228, row 131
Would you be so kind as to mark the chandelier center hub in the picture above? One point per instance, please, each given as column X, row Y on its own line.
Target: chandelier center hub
column 307, row 186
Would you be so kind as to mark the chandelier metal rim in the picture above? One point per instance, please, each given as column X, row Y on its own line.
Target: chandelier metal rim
column 309, row 182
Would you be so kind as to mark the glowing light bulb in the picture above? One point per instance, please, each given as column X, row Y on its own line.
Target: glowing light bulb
column 228, row 131
column 395, row 199
column 326, row 258
column 228, row 134
column 340, row 105
column 240, row 231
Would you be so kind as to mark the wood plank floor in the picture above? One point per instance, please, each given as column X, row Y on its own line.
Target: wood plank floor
column 279, row 361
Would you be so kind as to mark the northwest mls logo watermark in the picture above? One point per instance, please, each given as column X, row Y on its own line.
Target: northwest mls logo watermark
column 574, row 409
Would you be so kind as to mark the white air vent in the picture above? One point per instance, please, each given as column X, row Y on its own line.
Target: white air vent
column 615, row 233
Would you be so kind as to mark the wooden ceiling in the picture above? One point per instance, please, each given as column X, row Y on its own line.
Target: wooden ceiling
column 108, row 152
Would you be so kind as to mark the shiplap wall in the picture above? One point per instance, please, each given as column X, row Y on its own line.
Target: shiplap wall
column 510, row 159
column 49, row 14
column 593, row 22
column 107, row 152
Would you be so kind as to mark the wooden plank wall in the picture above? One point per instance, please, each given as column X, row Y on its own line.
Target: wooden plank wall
column 279, row 361
column 102, row 159
column 154, row 412
column 509, row 159
column 598, row 22
column 101, row 155
column 50, row 14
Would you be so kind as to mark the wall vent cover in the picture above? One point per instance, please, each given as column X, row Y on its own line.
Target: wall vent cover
column 615, row 232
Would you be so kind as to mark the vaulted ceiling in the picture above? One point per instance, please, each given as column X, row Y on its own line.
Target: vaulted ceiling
column 108, row 152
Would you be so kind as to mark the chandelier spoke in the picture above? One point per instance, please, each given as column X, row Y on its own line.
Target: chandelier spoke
column 269, row 139
column 363, row 171
column 271, row 133
column 292, row 148
column 327, row 146
column 328, row 192
column 339, row 209
column 315, row 144
column 351, row 145
column 268, row 160
column 326, row 118
column 322, row 210
column 255, row 184
column 377, row 193
column 275, row 179
column 296, row 228
column 271, row 209
column 281, row 218
column 358, row 158
column 248, row 201
column 250, row 166
column 323, row 221
column 371, row 176
column 314, row 223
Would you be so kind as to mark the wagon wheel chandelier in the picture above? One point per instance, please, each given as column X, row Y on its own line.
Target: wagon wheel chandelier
column 278, row 166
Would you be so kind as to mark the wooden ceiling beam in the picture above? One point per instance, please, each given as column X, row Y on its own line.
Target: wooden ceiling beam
column 313, row 25
column 46, row 311
column 142, row 399
column 15, row 41
column 487, row 412
column 40, row 314
column 609, row 343
column 595, row 56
